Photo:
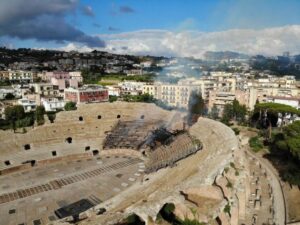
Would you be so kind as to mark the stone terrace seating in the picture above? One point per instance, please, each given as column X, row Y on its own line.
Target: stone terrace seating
column 164, row 156
column 97, row 122
column 130, row 134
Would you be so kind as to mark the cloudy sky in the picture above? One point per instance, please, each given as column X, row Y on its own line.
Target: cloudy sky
column 156, row 27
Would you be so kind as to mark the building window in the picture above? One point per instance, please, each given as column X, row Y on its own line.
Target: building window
column 99, row 117
column 118, row 116
column 54, row 153
column 87, row 148
column 142, row 117
column 80, row 118
column 7, row 163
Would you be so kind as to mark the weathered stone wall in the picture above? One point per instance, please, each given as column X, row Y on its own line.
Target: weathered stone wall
column 165, row 186
column 87, row 126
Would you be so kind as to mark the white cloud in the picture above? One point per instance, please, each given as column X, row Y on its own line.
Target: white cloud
column 75, row 47
column 271, row 41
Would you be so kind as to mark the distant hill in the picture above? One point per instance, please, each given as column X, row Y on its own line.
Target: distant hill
column 226, row 55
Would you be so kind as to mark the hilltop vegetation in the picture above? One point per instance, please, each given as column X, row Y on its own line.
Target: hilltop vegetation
column 285, row 147
column 278, row 66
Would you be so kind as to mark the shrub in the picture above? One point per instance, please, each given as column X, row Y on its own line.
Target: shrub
column 51, row 116
column 25, row 122
column 255, row 144
column 226, row 169
column 229, row 184
column 227, row 209
column 9, row 96
column 13, row 113
column 70, row 106
column 236, row 130
column 188, row 221
column 232, row 165
column 113, row 98
column 39, row 115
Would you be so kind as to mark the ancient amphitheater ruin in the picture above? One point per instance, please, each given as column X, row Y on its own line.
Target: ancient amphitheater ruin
column 105, row 162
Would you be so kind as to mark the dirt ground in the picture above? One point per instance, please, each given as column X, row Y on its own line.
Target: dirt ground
column 293, row 199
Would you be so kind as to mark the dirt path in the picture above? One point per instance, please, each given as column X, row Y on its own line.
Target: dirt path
column 280, row 205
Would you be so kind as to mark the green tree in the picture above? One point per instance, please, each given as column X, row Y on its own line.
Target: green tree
column 39, row 115
column 227, row 113
column 13, row 114
column 214, row 112
column 9, row 96
column 234, row 111
column 51, row 116
column 113, row 98
column 70, row 106
column 147, row 98
column 285, row 146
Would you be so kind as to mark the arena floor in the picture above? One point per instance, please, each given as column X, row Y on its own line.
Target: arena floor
column 32, row 196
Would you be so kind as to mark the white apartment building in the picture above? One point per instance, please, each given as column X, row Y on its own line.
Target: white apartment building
column 291, row 101
column 21, row 76
column 263, row 93
column 9, row 90
column 176, row 95
column 76, row 75
column 27, row 104
column 52, row 104
column 131, row 87
column 113, row 91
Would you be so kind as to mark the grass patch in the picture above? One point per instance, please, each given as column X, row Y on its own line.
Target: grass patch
column 226, row 169
column 107, row 83
column 229, row 184
column 236, row 130
column 256, row 144
column 227, row 209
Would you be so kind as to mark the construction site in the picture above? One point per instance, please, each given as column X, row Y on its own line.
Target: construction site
column 103, row 163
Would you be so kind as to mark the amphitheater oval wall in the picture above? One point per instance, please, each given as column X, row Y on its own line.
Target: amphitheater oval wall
column 73, row 132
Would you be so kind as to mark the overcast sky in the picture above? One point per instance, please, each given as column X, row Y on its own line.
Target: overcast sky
column 157, row 27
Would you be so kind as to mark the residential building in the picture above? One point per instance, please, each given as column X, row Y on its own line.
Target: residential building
column 291, row 101
column 86, row 94
column 21, row 76
column 152, row 89
column 7, row 90
column 64, row 83
column 45, row 89
column 4, row 75
column 76, row 75
column 63, row 79
column 219, row 99
column 263, row 93
column 131, row 87
column 176, row 95
column 134, row 72
column 27, row 104
column 113, row 90
column 53, row 104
